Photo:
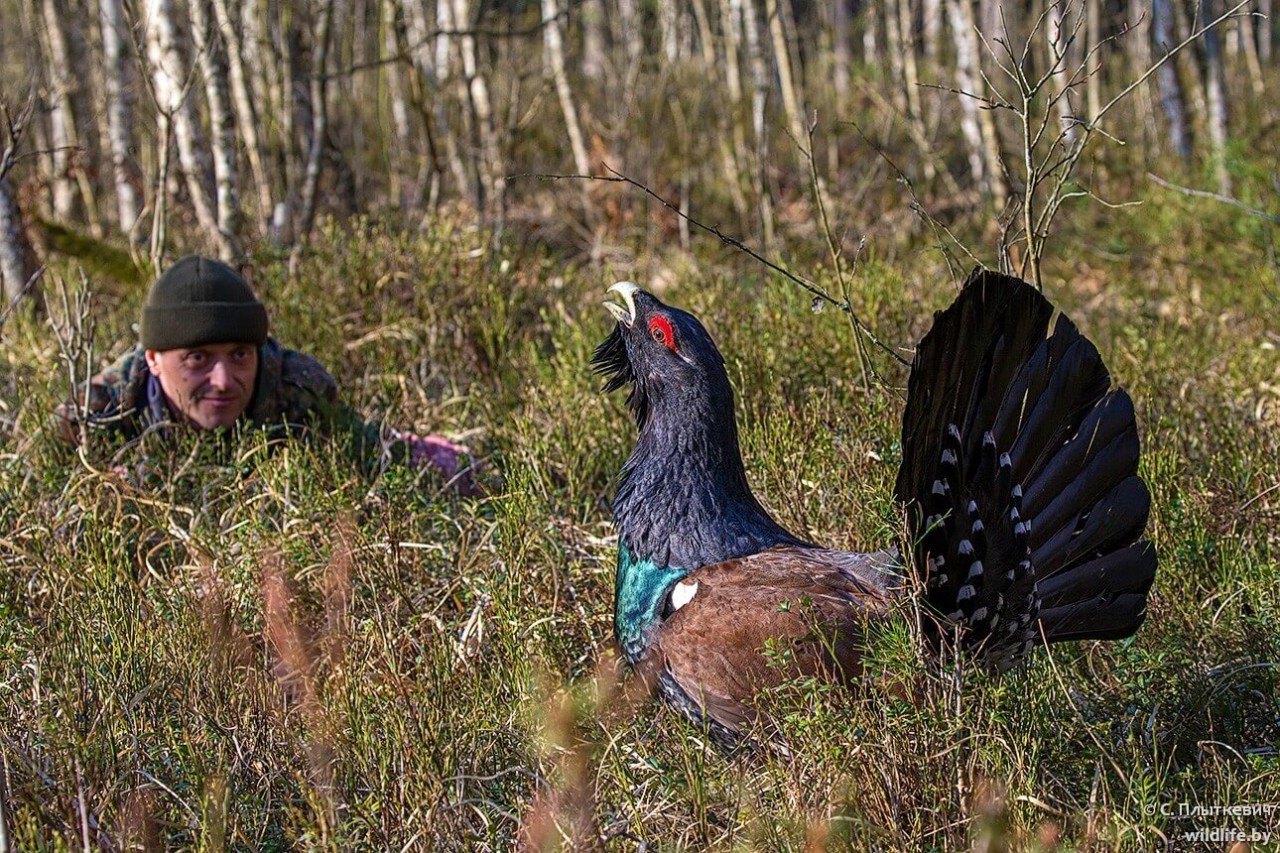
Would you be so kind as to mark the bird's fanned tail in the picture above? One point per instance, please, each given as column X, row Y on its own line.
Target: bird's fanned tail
column 1019, row 465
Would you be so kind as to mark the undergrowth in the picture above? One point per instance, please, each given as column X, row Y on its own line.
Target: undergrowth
column 265, row 649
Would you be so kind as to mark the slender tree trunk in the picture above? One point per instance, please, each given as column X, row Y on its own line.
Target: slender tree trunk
column 932, row 16
column 243, row 100
column 871, row 15
column 17, row 260
column 171, row 83
column 1171, row 100
column 782, row 60
column 967, row 81
column 222, row 127
column 404, row 151
column 669, row 29
column 1137, row 45
column 431, row 65
column 841, row 52
column 631, row 37
column 319, row 125
column 492, row 183
column 1216, row 99
column 900, row 43
column 759, row 99
column 62, row 123
column 1060, row 32
column 1249, row 47
column 593, row 50
column 1265, row 25
column 1093, row 37
column 896, row 48
column 553, row 38
column 119, row 108
column 734, row 149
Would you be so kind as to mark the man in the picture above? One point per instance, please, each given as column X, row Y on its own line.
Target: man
column 205, row 361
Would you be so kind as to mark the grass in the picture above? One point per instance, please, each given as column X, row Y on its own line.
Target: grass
column 266, row 650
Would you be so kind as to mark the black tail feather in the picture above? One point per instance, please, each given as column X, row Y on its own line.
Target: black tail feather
column 1020, row 461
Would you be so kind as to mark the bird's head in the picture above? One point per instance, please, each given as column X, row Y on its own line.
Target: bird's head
column 664, row 354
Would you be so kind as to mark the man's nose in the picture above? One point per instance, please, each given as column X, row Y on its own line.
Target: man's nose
column 219, row 375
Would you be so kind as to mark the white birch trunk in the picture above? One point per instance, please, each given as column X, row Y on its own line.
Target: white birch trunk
column 932, row 15
column 759, row 98
column 960, row 19
column 433, row 69
column 553, row 39
column 1264, row 31
column 489, row 166
column 1171, row 97
column 243, row 100
column 782, row 59
column 16, row 265
column 669, row 30
column 119, row 108
column 1216, row 99
column 1093, row 37
column 62, row 134
column 397, row 104
column 593, row 51
column 319, row 124
column 171, row 82
column 871, row 15
column 222, row 127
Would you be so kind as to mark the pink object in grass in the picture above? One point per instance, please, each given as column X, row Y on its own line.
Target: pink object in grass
column 451, row 459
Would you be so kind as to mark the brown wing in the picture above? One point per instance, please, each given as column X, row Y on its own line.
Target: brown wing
column 755, row 622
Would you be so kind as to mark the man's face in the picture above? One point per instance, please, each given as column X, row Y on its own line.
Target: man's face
column 209, row 385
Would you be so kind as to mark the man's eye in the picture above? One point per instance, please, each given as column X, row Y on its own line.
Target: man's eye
column 193, row 359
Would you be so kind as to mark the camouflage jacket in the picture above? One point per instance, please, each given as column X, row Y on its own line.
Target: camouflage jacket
column 293, row 391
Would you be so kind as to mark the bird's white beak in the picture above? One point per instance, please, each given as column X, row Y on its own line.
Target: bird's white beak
column 624, row 314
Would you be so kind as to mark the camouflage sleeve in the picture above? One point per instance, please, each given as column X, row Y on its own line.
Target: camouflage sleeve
column 310, row 395
column 111, row 394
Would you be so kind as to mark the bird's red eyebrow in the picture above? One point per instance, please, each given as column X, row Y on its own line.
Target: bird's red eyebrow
column 669, row 337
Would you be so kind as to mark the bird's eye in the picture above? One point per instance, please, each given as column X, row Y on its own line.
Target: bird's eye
column 660, row 330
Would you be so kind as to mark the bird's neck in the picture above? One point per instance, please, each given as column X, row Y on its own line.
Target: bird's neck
column 683, row 502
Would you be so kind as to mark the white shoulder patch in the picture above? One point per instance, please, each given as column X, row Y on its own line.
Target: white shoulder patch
column 682, row 593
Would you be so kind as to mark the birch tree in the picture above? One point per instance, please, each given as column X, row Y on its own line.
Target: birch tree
column 117, row 73
column 1216, row 100
column 554, row 41
column 222, row 124
column 319, row 126
column 62, row 121
column 172, row 85
column 1171, row 99
column 976, row 125
column 17, row 260
column 243, row 98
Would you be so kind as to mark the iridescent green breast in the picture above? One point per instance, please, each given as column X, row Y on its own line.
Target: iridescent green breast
column 640, row 590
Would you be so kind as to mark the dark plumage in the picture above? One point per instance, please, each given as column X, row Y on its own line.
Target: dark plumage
column 1018, row 477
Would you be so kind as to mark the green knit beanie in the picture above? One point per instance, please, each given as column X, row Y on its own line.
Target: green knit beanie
column 201, row 301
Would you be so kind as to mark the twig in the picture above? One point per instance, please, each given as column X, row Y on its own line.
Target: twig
column 16, row 301
column 817, row 292
column 1225, row 199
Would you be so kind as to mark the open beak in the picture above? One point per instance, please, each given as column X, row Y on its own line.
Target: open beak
column 625, row 313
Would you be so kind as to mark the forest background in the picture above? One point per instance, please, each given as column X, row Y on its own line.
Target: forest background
column 282, row 653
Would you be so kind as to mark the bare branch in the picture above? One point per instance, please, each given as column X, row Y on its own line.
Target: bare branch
column 1225, row 199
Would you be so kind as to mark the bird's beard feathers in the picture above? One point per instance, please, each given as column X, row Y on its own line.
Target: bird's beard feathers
column 611, row 361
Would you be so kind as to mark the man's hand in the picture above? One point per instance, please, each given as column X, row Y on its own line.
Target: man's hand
column 452, row 460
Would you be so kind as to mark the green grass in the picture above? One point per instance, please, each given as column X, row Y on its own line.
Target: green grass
column 268, row 651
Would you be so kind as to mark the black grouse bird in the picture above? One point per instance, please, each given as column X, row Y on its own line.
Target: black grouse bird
column 1018, row 474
